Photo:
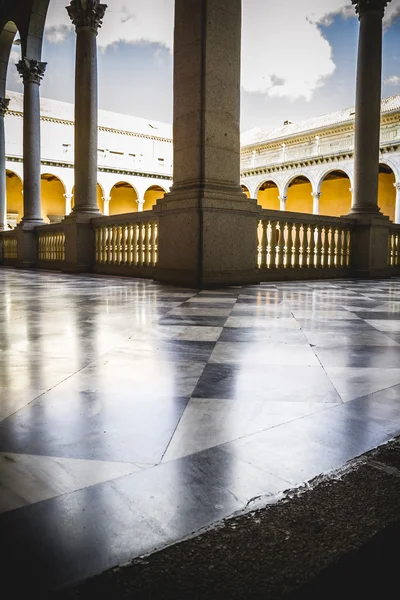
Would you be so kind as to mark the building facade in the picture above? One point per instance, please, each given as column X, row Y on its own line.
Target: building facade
column 305, row 167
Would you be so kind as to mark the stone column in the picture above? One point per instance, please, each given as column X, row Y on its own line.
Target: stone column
column 397, row 206
column 4, row 102
column 206, row 213
column 368, row 106
column 32, row 72
column 87, row 17
column 282, row 202
column 68, row 203
column 316, row 196
column 106, row 200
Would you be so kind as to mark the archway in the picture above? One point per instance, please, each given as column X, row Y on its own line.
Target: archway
column 386, row 191
column 246, row 191
column 335, row 199
column 7, row 37
column 154, row 193
column 15, row 201
column 52, row 192
column 299, row 198
column 123, row 199
column 268, row 195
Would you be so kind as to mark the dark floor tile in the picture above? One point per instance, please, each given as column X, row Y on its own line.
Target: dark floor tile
column 204, row 321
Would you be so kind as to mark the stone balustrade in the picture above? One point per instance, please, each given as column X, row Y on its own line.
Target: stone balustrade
column 394, row 247
column 51, row 243
column 8, row 247
column 296, row 245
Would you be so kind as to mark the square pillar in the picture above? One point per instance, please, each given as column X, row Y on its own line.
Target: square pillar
column 207, row 226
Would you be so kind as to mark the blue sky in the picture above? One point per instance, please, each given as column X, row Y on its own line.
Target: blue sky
column 296, row 64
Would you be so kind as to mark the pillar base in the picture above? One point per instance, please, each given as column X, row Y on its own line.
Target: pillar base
column 207, row 238
column 79, row 243
column 27, row 249
column 369, row 251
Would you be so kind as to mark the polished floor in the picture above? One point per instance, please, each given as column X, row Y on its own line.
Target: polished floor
column 133, row 414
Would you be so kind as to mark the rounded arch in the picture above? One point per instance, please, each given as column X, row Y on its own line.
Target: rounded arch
column 151, row 195
column 246, row 190
column 342, row 168
column 14, row 198
column 123, row 198
column 269, row 178
column 386, row 190
column 52, row 190
column 7, row 37
column 298, row 192
column 335, row 189
column 32, row 42
column 268, row 194
column 389, row 162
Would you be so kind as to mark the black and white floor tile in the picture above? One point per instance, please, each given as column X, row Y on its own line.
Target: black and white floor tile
column 133, row 414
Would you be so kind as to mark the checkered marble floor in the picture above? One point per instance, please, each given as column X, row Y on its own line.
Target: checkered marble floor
column 133, row 414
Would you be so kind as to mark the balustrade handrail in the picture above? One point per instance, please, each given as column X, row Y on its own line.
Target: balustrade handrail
column 304, row 218
column 49, row 227
column 145, row 216
column 9, row 233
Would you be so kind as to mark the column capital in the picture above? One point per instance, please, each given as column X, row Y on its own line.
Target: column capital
column 106, row 198
column 87, row 13
column 31, row 70
column 4, row 102
column 316, row 194
column 397, row 185
column 363, row 6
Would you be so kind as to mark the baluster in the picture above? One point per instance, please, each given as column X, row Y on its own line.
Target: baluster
column 103, row 249
column 124, row 244
column 111, row 241
column 129, row 249
column 332, row 262
column 312, row 246
column 97, row 244
column 325, row 247
column 135, row 245
column 147, row 244
column 339, row 248
column 262, row 260
column 155, row 244
column 272, row 245
column 289, row 246
column 281, row 245
column 140, row 244
column 296, row 245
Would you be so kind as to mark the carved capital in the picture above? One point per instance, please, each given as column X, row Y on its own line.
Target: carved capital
column 31, row 70
column 397, row 185
column 86, row 13
column 4, row 102
column 363, row 6
column 316, row 195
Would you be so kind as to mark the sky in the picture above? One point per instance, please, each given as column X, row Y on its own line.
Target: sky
column 298, row 58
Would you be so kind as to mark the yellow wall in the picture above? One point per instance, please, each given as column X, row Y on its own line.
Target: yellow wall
column 269, row 198
column 123, row 200
column 100, row 201
column 15, row 202
column 299, row 198
column 387, row 194
column 335, row 199
column 151, row 197
column 52, row 198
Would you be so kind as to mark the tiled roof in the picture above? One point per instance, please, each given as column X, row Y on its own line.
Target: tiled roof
column 63, row 110
column 257, row 136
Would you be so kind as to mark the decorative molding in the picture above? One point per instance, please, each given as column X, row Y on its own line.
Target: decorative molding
column 31, row 70
column 4, row 102
column 87, row 13
column 363, row 6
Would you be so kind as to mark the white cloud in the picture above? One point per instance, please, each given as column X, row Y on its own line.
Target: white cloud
column 284, row 53
column 392, row 80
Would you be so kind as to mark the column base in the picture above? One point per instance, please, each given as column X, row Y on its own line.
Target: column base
column 207, row 238
column 27, row 249
column 369, row 251
column 79, row 242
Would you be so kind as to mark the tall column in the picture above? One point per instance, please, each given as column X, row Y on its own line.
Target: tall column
column 206, row 213
column 4, row 102
column 316, row 196
column 32, row 72
column 368, row 106
column 87, row 17
column 397, row 205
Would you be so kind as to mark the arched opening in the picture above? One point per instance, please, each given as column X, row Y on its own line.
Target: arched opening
column 100, row 196
column 386, row 191
column 10, row 52
column 335, row 199
column 52, row 192
column 123, row 199
column 246, row 191
column 154, row 193
column 268, row 195
column 15, row 201
column 299, row 198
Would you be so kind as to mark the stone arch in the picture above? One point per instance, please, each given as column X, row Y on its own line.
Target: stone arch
column 123, row 198
column 386, row 190
column 298, row 192
column 246, row 190
column 268, row 194
column 267, row 178
column 7, row 37
column 52, row 190
column 15, row 199
column 32, row 42
column 335, row 189
column 322, row 175
column 151, row 195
